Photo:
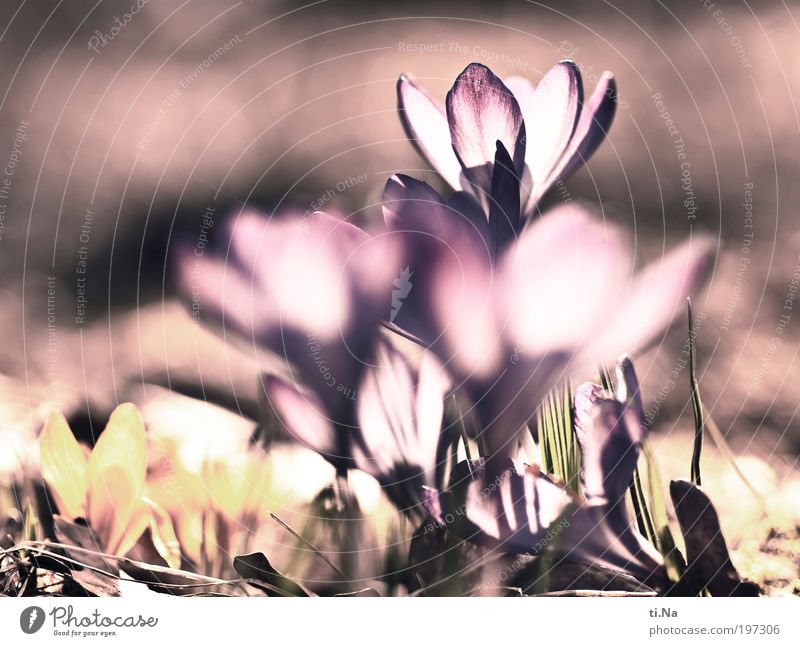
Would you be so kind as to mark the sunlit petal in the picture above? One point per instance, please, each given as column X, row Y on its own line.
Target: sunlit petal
column 481, row 111
column 425, row 124
column 117, row 471
column 63, row 465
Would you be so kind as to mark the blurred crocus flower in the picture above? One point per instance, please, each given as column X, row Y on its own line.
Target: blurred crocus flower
column 397, row 421
column 107, row 488
column 521, row 510
column 548, row 130
column 311, row 291
column 314, row 291
column 562, row 298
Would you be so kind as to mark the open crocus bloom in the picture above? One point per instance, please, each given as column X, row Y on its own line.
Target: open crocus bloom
column 563, row 297
column 548, row 130
column 106, row 489
column 515, row 508
column 310, row 290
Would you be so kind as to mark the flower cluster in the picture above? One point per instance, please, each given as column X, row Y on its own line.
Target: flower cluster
column 477, row 298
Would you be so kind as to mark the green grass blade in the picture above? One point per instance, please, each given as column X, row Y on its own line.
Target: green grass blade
column 673, row 560
column 644, row 518
column 697, row 404
column 574, row 463
column 605, row 379
column 544, row 445
column 29, row 522
column 558, row 446
column 561, row 436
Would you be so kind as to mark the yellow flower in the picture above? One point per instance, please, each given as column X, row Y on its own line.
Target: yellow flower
column 236, row 486
column 216, row 508
column 107, row 487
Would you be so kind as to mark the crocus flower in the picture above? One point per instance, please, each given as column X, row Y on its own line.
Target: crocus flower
column 516, row 509
column 493, row 231
column 548, row 130
column 311, row 291
column 106, row 488
column 610, row 430
column 397, row 421
column 563, row 297
column 314, row 292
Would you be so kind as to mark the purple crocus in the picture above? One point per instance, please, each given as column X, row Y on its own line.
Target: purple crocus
column 610, row 430
column 397, row 421
column 548, row 130
column 508, row 320
column 563, row 297
column 308, row 295
column 520, row 510
column 312, row 293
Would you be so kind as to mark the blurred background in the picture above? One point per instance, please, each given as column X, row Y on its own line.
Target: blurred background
column 123, row 123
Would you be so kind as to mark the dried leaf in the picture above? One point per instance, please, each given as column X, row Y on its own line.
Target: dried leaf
column 439, row 561
column 570, row 575
column 709, row 563
column 259, row 572
column 88, row 577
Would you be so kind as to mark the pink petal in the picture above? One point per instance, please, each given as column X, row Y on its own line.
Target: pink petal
column 481, row 111
column 595, row 120
column 523, row 91
column 512, row 510
column 610, row 433
column 300, row 413
column 400, row 418
column 425, row 124
column 223, row 290
column 435, row 237
column 550, row 123
column 519, row 511
column 462, row 306
column 408, row 203
column 413, row 205
column 655, row 297
column 562, row 280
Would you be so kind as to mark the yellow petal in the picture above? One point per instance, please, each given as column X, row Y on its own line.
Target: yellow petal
column 163, row 534
column 189, row 528
column 137, row 525
column 150, row 515
column 182, row 494
column 259, row 479
column 63, row 466
column 226, row 496
column 169, row 482
column 236, row 485
column 117, row 471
